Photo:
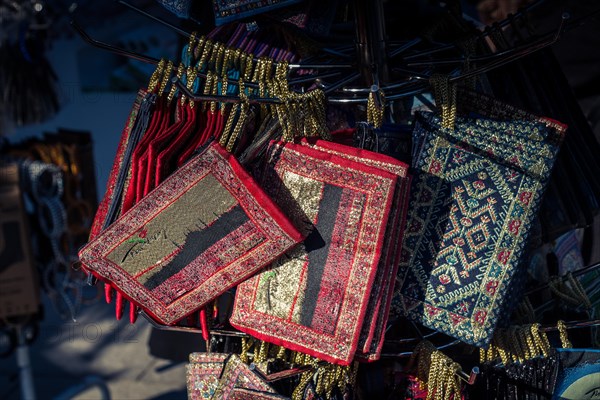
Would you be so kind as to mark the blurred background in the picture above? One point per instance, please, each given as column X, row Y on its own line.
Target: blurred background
column 59, row 92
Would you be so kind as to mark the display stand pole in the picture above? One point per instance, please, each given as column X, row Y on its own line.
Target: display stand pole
column 24, row 364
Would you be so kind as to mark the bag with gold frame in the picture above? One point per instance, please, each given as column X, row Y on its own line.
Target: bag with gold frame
column 315, row 298
column 202, row 231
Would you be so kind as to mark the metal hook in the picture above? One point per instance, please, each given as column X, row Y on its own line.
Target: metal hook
column 221, row 98
column 112, row 49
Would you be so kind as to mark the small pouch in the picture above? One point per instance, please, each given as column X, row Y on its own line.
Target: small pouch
column 204, row 230
column 314, row 299
column 371, row 338
column 202, row 374
column 471, row 211
column 237, row 375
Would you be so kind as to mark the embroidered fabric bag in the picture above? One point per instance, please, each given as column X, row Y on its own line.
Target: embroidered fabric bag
column 471, row 207
column 228, row 11
column 202, row 231
column 314, row 298
column 237, row 375
column 557, row 214
column 372, row 334
column 202, row 374
column 224, row 376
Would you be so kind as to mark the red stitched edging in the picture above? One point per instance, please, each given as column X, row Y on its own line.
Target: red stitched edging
column 92, row 254
column 345, row 352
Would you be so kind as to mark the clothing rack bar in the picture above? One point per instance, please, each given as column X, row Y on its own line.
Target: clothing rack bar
column 573, row 325
column 188, row 35
column 579, row 272
column 410, row 353
column 221, row 98
column 288, row 373
column 520, row 14
column 175, row 328
column 112, row 49
column 154, row 18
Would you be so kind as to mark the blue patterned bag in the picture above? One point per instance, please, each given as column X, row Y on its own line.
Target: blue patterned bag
column 473, row 200
column 233, row 10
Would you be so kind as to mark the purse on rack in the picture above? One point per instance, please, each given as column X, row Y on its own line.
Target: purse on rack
column 224, row 376
column 202, row 231
column 474, row 194
column 227, row 11
column 237, row 375
column 372, row 334
column 314, row 298
column 202, row 374
column 537, row 83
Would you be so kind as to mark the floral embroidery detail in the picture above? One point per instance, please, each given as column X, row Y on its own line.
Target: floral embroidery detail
column 426, row 196
column 503, row 256
column 458, row 241
column 432, row 310
column 456, row 319
column 491, row 287
column 479, row 185
column 415, row 226
column 525, row 197
column 436, row 166
column 513, row 226
column 480, row 316
column 478, row 213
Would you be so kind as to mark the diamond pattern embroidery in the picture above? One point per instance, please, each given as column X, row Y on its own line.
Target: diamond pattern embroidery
column 469, row 216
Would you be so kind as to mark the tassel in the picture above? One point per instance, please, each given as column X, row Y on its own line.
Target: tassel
column 564, row 338
column 132, row 313
column 108, row 292
column 298, row 393
column 437, row 373
column 215, row 310
column 321, row 378
column 204, row 324
column 119, row 306
column 246, row 345
column 263, row 352
column 280, row 353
